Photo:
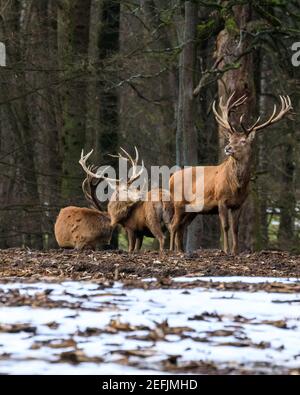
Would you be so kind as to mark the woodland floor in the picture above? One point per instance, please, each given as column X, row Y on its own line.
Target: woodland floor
column 120, row 265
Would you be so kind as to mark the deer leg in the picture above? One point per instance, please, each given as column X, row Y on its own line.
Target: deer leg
column 155, row 229
column 234, row 216
column 131, row 240
column 175, row 226
column 172, row 239
column 180, row 233
column 138, row 243
column 179, row 239
column 223, row 214
column 161, row 241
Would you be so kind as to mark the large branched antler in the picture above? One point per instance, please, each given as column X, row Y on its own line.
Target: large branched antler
column 286, row 106
column 94, row 177
column 134, row 162
column 89, row 188
column 89, row 169
column 226, row 109
column 92, row 173
column 92, row 180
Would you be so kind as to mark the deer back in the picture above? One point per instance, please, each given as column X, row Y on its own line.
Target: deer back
column 78, row 227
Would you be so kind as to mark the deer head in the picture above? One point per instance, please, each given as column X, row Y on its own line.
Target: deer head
column 125, row 194
column 240, row 141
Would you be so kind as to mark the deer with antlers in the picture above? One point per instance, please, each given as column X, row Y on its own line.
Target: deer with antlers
column 141, row 214
column 80, row 227
column 224, row 187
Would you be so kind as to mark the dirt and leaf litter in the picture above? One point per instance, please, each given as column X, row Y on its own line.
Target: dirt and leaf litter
column 119, row 265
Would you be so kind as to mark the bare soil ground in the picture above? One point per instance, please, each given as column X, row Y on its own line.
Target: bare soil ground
column 120, row 265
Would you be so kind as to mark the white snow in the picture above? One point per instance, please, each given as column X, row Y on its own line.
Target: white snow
column 149, row 307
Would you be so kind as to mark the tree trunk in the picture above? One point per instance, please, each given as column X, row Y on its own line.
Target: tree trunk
column 110, row 123
column 187, row 139
column 93, row 117
column 262, row 237
column 231, row 44
column 25, row 223
column 73, row 36
column 208, row 155
column 287, row 201
column 161, row 41
column 42, row 51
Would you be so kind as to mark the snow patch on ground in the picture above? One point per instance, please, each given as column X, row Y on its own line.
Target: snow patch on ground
column 150, row 307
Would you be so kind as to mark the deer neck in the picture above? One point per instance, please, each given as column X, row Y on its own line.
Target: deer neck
column 119, row 210
column 239, row 171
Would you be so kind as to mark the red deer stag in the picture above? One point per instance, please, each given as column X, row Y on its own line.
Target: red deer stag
column 139, row 216
column 78, row 227
column 224, row 187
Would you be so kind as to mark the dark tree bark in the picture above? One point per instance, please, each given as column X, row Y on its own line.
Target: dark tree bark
column 208, row 149
column 94, row 95
column 110, row 123
column 161, row 40
column 73, row 40
column 186, row 134
column 42, row 53
column 261, row 190
column 231, row 48
column 287, row 200
column 25, row 223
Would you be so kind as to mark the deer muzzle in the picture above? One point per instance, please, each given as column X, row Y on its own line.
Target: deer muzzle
column 228, row 150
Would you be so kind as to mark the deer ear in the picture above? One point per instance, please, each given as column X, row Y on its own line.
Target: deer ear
column 251, row 136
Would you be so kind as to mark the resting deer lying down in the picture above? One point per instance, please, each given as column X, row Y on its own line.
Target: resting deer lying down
column 223, row 188
column 79, row 228
column 139, row 218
